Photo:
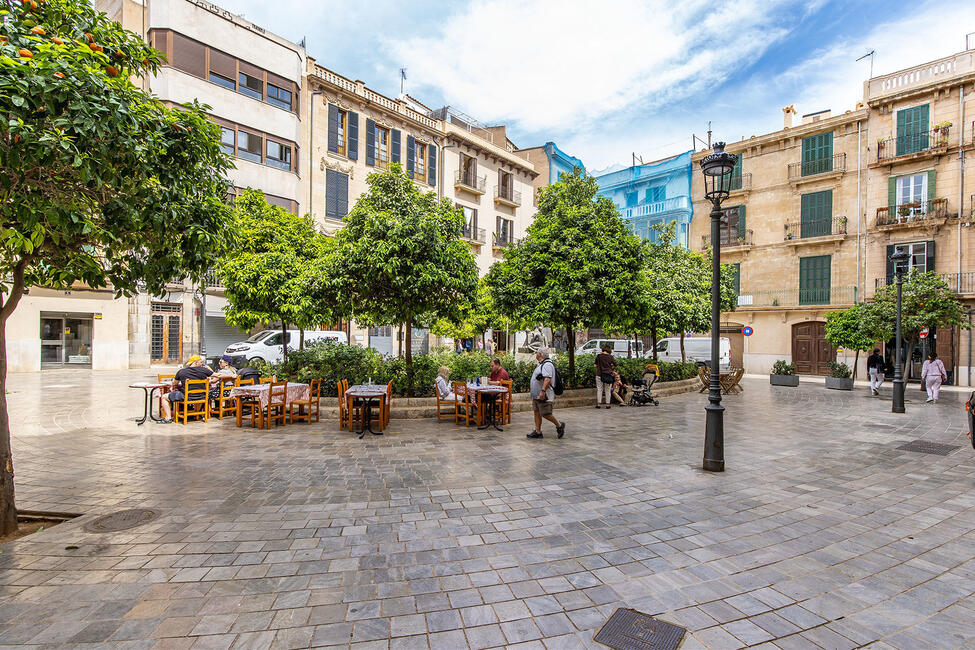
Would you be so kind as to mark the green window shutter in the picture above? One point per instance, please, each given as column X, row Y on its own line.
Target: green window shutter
column 814, row 280
column 737, row 277
column 816, row 214
column 932, row 185
column 817, row 154
column 929, row 261
column 892, row 195
column 912, row 130
column 736, row 174
column 741, row 220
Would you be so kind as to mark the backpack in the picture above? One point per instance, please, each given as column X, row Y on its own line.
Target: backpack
column 557, row 384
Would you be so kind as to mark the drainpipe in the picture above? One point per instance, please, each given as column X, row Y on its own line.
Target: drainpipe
column 311, row 151
column 961, row 171
column 859, row 143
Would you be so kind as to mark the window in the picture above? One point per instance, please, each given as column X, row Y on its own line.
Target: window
column 922, row 255
column 276, row 339
column 656, row 194
column 249, row 146
column 505, row 231
column 223, row 69
column 250, row 85
column 505, row 185
column 470, row 221
column 736, row 274
column 735, row 175
column 227, row 140
column 816, row 214
column 220, row 80
column 336, row 194
column 631, row 199
column 189, row 55
column 912, row 195
column 912, row 130
column 733, row 225
column 420, row 162
column 817, row 154
column 278, row 155
column 382, row 147
column 814, row 280
column 278, row 97
column 468, row 170
column 341, row 131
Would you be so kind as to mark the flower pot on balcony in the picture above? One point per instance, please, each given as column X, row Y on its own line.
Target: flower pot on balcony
column 784, row 380
column 839, row 383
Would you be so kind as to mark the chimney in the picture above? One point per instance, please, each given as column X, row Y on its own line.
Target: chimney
column 787, row 114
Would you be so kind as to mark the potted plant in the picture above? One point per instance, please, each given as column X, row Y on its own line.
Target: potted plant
column 783, row 374
column 841, row 226
column 839, row 377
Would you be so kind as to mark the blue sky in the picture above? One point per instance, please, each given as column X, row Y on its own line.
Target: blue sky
column 604, row 79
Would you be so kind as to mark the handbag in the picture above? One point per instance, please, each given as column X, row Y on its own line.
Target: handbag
column 607, row 378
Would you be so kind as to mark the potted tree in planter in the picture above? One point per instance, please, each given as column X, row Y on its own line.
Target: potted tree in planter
column 839, row 376
column 783, row 374
column 853, row 329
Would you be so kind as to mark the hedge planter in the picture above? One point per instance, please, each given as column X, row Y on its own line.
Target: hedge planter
column 839, row 383
column 784, row 380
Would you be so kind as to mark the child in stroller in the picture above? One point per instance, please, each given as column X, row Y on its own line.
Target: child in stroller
column 641, row 395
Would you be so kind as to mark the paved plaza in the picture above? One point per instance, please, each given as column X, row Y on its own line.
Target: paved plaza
column 822, row 533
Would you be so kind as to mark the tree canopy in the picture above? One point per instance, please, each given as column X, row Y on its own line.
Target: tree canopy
column 100, row 183
column 854, row 329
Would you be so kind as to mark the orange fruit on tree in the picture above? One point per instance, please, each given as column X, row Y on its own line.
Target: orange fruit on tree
column 38, row 30
column 112, row 72
column 95, row 47
column 91, row 39
column 59, row 75
column 25, row 54
column 119, row 54
column 55, row 39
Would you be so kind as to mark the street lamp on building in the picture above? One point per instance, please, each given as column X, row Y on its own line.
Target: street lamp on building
column 899, row 258
column 717, row 168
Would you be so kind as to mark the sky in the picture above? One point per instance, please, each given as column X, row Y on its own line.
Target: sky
column 606, row 79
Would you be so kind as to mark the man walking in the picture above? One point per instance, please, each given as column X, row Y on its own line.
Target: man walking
column 875, row 368
column 543, row 394
column 605, row 367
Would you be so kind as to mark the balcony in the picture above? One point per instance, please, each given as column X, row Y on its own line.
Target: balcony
column 813, row 228
column 914, row 145
column 470, row 182
column 772, row 298
column 833, row 165
column 960, row 283
column 474, row 235
column 507, row 196
column 213, row 280
column 503, row 239
column 732, row 239
column 741, row 183
column 656, row 207
column 918, row 213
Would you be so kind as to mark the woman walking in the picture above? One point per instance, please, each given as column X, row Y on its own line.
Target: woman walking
column 932, row 374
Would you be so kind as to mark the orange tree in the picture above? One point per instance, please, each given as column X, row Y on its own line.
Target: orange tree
column 101, row 184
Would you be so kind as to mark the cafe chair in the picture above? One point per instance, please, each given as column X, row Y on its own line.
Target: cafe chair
column 451, row 409
column 505, row 401
column 163, row 379
column 225, row 404
column 464, row 409
column 247, row 404
column 380, row 412
column 309, row 407
column 196, row 401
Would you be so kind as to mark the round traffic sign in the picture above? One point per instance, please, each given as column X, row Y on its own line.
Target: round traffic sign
column 747, row 331
column 923, row 333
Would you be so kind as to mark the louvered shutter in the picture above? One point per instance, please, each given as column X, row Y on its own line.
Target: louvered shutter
column 395, row 144
column 331, row 193
column 814, row 280
column 891, row 249
column 189, row 55
column 929, row 262
column 333, row 128
column 432, row 166
column 932, row 185
column 741, row 221
column 892, row 196
column 223, row 64
column 410, row 155
column 342, row 200
column 370, row 142
column 352, row 126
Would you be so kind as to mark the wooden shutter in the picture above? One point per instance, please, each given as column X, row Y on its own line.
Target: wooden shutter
column 333, row 128
column 929, row 262
column 410, row 155
column 352, row 139
column 932, row 185
column 814, row 280
column 432, row 165
column 395, row 143
column 817, row 154
column 736, row 273
column 370, row 142
column 223, row 64
column 816, row 214
column 741, row 221
column 912, row 127
column 891, row 249
column 342, row 201
column 336, row 194
column 189, row 55
column 892, row 196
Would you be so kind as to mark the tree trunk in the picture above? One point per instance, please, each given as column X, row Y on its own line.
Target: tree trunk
column 399, row 343
column 856, row 359
column 284, row 341
column 301, row 338
column 653, row 338
column 8, row 508
column 683, row 355
column 571, row 334
column 409, row 356
column 636, row 346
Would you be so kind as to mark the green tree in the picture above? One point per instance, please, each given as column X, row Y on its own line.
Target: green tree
column 272, row 272
column 851, row 329
column 575, row 266
column 100, row 183
column 400, row 258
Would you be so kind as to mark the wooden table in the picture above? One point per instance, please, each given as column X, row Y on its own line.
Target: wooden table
column 487, row 393
column 260, row 393
column 730, row 381
column 367, row 393
column 149, row 387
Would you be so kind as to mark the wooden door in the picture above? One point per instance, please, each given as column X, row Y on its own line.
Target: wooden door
column 166, row 333
column 810, row 351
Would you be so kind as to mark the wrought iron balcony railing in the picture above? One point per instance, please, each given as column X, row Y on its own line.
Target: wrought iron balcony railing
column 213, row 279
column 503, row 239
column 729, row 239
column 834, row 163
column 844, row 295
column 507, row 195
column 912, row 212
column 741, row 181
column 934, row 139
column 815, row 228
column 477, row 235
column 471, row 181
column 962, row 283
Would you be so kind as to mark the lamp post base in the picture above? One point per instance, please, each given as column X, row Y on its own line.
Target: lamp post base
column 714, row 438
column 897, row 404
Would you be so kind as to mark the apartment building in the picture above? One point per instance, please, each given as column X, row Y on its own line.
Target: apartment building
column 790, row 228
column 550, row 162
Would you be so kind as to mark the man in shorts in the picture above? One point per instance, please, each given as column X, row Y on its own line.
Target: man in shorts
column 195, row 368
column 543, row 394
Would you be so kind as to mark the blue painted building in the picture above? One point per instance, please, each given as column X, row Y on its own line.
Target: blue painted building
column 657, row 192
column 559, row 162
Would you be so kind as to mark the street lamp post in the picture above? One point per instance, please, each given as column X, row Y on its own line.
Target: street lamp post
column 899, row 258
column 717, row 168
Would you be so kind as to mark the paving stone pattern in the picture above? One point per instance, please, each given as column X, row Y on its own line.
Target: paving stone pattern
column 822, row 533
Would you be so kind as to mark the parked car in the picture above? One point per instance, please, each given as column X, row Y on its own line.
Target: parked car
column 696, row 349
column 621, row 347
column 266, row 345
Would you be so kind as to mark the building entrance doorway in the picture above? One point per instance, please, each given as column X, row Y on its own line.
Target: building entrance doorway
column 810, row 351
column 65, row 340
column 166, row 333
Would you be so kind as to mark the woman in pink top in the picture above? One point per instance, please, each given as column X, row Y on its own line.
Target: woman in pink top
column 932, row 374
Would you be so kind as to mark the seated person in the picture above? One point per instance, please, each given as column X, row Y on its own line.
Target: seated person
column 498, row 374
column 619, row 389
column 443, row 385
column 226, row 371
column 194, row 369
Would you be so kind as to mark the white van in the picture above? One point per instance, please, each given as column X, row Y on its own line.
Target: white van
column 697, row 349
column 266, row 345
column 621, row 347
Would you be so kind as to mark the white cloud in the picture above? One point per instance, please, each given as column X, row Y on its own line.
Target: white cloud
column 559, row 64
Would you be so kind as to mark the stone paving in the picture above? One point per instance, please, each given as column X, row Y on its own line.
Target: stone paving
column 820, row 534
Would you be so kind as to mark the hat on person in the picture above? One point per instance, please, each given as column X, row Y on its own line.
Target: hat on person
column 193, row 359
column 226, row 358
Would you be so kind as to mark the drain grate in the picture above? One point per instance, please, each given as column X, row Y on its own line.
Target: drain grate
column 925, row 447
column 121, row 520
column 628, row 629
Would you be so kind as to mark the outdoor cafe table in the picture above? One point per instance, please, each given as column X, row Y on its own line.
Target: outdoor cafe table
column 260, row 393
column 487, row 393
column 149, row 387
column 367, row 393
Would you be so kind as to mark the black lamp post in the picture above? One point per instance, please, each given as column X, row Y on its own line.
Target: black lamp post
column 717, row 168
column 899, row 258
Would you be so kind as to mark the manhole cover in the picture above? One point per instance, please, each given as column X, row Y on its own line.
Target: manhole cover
column 121, row 520
column 628, row 629
column 925, row 447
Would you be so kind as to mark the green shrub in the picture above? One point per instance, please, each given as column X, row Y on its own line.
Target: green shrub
column 783, row 367
column 839, row 370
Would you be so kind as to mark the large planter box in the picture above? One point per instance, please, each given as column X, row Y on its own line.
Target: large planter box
column 839, row 383
column 784, row 380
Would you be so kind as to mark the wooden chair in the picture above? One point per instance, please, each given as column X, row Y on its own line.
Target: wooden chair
column 451, row 411
column 704, row 374
column 276, row 409
column 343, row 385
column 463, row 407
column 167, row 379
column 506, row 400
column 312, row 404
column 268, row 380
column 224, row 403
column 247, row 404
column 196, row 401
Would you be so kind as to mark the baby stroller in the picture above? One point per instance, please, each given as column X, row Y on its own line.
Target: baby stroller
column 641, row 395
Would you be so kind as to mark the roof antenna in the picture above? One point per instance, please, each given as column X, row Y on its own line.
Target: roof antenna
column 870, row 54
column 402, row 80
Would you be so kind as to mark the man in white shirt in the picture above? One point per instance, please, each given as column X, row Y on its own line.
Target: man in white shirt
column 543, row 394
